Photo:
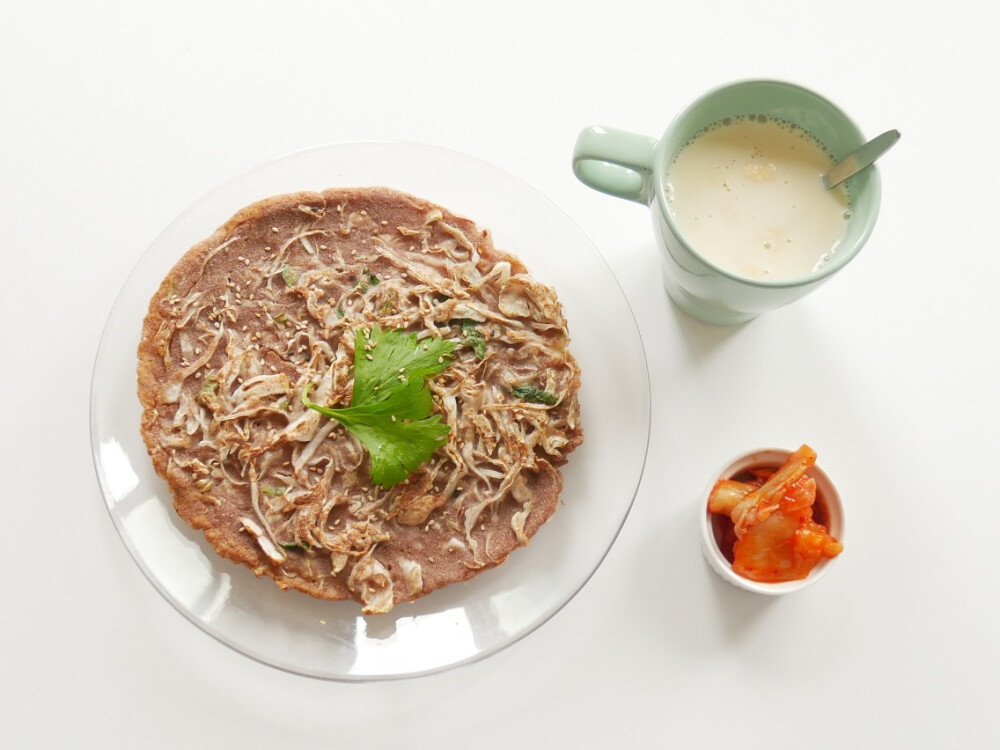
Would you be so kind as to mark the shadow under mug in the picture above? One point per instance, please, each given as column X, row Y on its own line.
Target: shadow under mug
column 632, row 166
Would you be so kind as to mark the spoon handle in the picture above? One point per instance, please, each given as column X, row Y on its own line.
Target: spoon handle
column 861, row 158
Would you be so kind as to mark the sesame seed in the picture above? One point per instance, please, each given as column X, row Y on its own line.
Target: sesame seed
column 274, row 229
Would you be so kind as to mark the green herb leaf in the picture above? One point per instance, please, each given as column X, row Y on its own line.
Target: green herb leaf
column 289, row 275
column 368, row 280
column 208, row 395
column 390, row 411
column 473, row 338
column 535, row 395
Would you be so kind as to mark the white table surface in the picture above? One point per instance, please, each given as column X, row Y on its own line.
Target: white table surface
column 118, row 115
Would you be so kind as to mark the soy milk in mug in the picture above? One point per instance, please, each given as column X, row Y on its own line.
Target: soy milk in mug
column 734, row 187
column 747, row 192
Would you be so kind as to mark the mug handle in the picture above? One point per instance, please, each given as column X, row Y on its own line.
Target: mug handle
column 615, row 162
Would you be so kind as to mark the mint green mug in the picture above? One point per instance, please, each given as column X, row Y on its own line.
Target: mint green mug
column 634, row 167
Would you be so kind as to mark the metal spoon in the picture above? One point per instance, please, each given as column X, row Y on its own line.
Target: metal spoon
column 860, row 158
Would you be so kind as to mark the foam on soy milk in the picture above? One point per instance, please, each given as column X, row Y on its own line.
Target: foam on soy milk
column 747, row 194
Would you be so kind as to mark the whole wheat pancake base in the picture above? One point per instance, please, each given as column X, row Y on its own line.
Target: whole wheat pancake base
column 269, row 305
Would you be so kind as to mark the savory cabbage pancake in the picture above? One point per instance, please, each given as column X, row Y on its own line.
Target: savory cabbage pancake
column 269, row 309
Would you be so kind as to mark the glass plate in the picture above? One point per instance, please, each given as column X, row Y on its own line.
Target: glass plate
column 463, row 622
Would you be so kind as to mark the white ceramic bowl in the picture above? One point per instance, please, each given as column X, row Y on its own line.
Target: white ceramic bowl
column 828, row 510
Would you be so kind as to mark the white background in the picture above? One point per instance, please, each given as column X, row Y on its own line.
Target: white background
column 118, row 115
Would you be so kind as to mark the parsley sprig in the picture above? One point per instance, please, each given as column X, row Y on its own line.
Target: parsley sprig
column 390, row 410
